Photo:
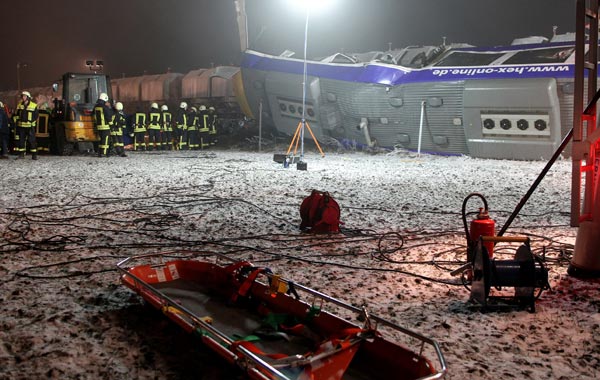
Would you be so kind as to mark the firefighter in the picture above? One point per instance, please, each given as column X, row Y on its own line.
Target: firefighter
column 139, row 131
column 103, row 115
column 26, row 120
column 42, row 135
column 212, row 125
column 193, row 129
column 116, row 129
column 167, row 128
column 14, row 136
column 181, row 131
column 204, row 127
column 153, row 120
column 4, row 131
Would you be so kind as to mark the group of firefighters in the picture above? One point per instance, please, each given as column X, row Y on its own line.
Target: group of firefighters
column 158, row 129
column 189, row 128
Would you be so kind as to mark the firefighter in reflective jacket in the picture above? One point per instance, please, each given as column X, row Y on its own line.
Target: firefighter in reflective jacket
column 181, row 131
column 153, row 119
column 212, row 122
column 193, row 138
column 116, row 129
column 167, row 128
column 103, row 115
column 139, row 131
column 25, row 121
column 4, row 131
column 204, row 127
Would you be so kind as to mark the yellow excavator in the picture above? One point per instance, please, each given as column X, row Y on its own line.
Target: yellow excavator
column 71, row 122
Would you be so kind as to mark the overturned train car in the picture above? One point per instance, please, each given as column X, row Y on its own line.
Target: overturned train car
column 513, row 102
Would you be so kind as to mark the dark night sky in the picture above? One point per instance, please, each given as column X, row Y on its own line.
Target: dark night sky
column 137, row 36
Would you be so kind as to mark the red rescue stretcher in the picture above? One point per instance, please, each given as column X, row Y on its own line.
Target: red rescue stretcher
column 273, row 328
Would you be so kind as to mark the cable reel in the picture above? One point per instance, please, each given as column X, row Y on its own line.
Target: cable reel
column 525, row 273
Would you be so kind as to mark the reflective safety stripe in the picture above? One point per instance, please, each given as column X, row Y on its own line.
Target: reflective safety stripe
column 167, row 121
column 183, row 125
column 213, row 124
column 101, row 123
column 204, row 125
column 140, row 123
column 25, row 114
column 154, row 122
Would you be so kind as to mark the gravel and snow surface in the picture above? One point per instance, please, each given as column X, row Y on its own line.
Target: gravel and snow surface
column 67, row 221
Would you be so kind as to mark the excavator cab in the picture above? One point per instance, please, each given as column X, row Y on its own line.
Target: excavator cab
column 72, row 120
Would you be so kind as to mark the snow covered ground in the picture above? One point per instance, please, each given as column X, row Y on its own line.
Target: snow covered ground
column 67, row 221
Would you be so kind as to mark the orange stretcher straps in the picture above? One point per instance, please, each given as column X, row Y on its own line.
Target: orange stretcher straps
column 247, row 284
column 341, row 339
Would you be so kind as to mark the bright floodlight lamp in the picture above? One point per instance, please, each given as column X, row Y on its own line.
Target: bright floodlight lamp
column 94, row 65
column 307, row 6
column 313, row 5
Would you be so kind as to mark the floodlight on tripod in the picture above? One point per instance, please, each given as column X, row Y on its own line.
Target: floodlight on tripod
column 303, row 124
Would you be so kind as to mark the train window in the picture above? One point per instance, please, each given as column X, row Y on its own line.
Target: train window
column 549, row 55
column 464, row 58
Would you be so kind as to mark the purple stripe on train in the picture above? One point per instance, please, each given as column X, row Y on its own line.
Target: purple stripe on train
column 392, row 76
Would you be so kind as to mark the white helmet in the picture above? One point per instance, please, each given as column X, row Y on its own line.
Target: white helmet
column 26, row 93
column 1, row 105
column 119, row 106
column 202, row 108
column 154, row 105
column 183, row 105
column 211, row 108
column 103, row 96
column 164, row 108
column 194, row 109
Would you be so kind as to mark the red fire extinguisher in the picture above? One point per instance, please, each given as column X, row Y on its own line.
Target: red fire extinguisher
column 483, row 225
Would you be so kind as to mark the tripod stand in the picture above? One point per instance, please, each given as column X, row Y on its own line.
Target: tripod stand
column 296, row 140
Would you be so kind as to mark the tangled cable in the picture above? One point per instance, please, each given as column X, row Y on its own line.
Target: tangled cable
column 189, row 218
